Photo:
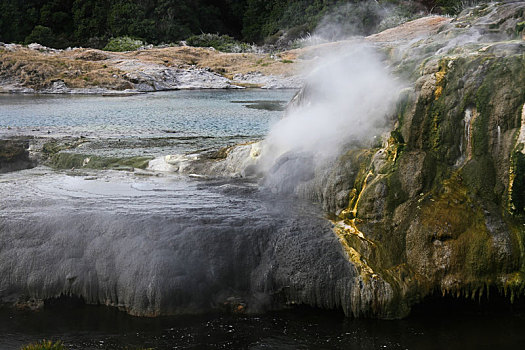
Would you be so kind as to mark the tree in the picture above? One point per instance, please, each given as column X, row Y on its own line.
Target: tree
column 42, row 35
column 90, row 21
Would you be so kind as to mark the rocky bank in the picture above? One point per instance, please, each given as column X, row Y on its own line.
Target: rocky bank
column 38, row 69
column 14, row 155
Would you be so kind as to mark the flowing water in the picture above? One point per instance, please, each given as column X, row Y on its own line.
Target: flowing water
column 230, row 258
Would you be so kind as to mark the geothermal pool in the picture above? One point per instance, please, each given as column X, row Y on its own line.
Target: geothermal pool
column 220, row 263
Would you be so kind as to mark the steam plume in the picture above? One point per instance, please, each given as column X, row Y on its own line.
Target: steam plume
column 348, row 97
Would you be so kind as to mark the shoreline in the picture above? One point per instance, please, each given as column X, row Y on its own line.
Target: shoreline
column 118, row 93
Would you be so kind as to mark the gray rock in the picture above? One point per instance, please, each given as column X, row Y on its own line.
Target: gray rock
column 14, row 155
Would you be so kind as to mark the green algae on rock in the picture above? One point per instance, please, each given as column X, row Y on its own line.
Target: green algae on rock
column 438, row 208
column 66, row 160
column 454, row 192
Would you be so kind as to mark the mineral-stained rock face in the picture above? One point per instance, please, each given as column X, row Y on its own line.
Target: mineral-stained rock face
column 443, row 211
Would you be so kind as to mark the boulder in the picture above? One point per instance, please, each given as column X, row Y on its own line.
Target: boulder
column 14, row 155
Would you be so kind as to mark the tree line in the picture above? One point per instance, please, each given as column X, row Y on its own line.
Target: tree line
column 91, row 23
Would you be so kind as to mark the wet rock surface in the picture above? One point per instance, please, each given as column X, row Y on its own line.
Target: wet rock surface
column 14, row 155
column 181, row 247
column 439, row 214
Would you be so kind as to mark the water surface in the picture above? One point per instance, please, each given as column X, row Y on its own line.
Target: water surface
column 146, row 124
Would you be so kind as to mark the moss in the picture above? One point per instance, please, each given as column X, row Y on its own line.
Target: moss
column 458, row 224
column 73, row 160
column 440, row 81
column 479, row 175
column 446, row 210
column 520, row 27
column 396, row 145
column 475, row 253
column 44, row 345
column 396, row 141
column 53, row 147
column 457, row 220
column 480, row 124
column 403, row 105
column 396, row 137
column 459, row 199
column 415, row 136
column 435, row 131
column 514, row 285
column 517, row 184
column 395, row 195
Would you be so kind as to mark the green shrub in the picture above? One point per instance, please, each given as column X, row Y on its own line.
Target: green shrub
column 224, row 43
column 41, row 35
column 44, row 345
column 123, row 43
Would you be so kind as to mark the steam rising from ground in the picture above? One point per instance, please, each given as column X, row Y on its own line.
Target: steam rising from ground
column 347, row 100
column 356, row 19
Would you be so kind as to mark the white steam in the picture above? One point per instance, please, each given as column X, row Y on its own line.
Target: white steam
column 347, row 100
column 355, row 19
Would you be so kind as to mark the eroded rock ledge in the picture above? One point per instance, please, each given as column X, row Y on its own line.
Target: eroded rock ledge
column 14, row 155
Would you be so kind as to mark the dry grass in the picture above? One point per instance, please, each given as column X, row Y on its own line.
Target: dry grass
column 44, row 345
column 83, row 68
column 39, row 70
column 227, row 64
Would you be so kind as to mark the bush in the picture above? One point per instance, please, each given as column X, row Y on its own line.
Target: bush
column 223, row 43
column 41, row 35
column 123, row 43
column 44, row 345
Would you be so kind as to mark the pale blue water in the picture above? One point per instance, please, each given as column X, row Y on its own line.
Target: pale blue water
column 146, row 124
column 186, row 113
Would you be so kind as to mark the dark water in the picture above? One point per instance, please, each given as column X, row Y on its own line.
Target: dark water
column 91, row 327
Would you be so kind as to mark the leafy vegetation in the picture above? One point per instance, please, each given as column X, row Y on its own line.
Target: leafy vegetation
column 92, row 23
column 123, row 43
column 42, row 35
column 223, row 43
column 44, row 345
